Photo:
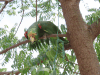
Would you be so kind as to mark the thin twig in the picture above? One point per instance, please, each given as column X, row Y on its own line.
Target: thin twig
column 69, row 61
column 23, row 42
column 21, row 18
column 66, row 58
column 36, row 10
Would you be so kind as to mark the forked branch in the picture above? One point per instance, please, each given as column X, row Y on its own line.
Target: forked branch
column 95, row 28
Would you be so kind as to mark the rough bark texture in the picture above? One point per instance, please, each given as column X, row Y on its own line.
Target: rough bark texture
column 81, row 38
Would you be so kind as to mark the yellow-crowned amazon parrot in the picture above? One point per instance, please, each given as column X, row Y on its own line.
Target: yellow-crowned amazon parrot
column 42, row 29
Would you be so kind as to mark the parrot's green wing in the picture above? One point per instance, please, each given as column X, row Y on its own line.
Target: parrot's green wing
column 47, row 28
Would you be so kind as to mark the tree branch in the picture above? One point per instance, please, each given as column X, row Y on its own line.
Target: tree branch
column 8, row 73
column 21, row 18
column 67, row 46
column 72, row 15
column 20, row 43
column 95, row 29
column 6, row 2
column 3, row 7
column 55, row 35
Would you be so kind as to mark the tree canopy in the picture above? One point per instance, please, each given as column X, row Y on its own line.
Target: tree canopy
column 51, row 59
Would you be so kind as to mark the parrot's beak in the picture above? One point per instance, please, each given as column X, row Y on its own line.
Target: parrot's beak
column 32, row 39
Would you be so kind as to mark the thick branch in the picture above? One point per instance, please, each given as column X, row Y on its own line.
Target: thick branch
column 72, row 14
column 3, row 7
column 95, row 28
column 23, row 42
column 6, row 2
column 67, row 46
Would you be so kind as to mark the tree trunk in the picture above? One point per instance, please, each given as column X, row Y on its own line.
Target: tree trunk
column 81, row 38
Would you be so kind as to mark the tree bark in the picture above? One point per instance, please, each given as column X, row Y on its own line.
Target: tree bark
column 81, row 38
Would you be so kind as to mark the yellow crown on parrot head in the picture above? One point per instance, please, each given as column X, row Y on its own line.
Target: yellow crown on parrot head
column 32, row 36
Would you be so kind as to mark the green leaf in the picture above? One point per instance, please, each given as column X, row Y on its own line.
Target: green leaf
column 63, row 29
column 13, row 8
column 3, row 69
column 91, row 10
column 43, row 73
column 43, row 69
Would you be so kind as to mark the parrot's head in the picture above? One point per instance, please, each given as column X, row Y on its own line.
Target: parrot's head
column 31, row 36
column 26, row 34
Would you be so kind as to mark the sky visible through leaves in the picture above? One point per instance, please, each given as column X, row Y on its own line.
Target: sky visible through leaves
column 27, row 21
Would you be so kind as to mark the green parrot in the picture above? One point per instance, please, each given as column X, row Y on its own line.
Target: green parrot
column 42, row 29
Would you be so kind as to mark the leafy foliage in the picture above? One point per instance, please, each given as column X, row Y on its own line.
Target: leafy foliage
column 7, row 39
column 51, row 57
column 45, row 58
column 3, row 70
column 50, row 60
column 24, row 60
column 46, row 10
column 93, row 17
